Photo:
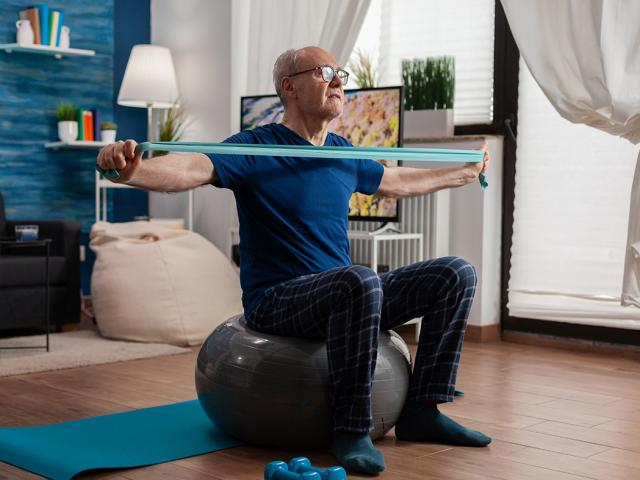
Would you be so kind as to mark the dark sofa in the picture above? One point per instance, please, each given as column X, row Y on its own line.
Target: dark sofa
column 22, row 273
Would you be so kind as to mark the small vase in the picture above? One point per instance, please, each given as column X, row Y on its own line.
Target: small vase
column 108, row 136
column 24, row 34
column 68, row 131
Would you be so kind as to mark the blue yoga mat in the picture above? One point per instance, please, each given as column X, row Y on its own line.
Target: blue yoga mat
column 122, row 440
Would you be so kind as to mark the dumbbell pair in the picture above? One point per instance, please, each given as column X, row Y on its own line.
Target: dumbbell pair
column 300, row 468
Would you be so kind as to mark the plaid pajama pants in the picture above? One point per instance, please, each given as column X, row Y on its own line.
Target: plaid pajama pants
column 348, row 306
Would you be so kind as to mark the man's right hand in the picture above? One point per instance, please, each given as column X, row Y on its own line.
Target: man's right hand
column 120, row 155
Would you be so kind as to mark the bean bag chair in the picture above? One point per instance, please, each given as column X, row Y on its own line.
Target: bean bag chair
column 154, row 283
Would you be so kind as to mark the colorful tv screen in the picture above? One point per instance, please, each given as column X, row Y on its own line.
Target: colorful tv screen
column 372, row 117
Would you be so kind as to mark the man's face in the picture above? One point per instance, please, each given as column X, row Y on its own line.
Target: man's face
column 313, row 95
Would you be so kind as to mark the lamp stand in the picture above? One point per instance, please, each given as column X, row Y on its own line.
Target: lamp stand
column 149, row 126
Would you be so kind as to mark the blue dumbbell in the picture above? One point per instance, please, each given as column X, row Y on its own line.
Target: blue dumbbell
column 279, row 470
column 302, row 464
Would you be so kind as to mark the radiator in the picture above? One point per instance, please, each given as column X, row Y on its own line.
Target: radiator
column 417, row 215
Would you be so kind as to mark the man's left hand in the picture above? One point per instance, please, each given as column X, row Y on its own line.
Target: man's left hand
column 480, row 167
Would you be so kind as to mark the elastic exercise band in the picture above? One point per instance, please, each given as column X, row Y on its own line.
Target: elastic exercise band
column 378, row 153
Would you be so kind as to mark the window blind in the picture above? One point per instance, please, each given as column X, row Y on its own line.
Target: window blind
column 573, row 184
column 401, row 29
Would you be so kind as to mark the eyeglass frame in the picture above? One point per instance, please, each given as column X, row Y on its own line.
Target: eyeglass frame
column 335, row 73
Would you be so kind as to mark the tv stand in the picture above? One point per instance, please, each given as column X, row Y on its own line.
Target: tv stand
column 387, row 227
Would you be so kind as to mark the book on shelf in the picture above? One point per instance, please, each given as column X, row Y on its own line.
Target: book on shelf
column 45, row 23
column 88, row 125
column 87, row 118
column 97, row 134
column 55, row 22
column 60, row 24
column 80, row 120
column 43, row 17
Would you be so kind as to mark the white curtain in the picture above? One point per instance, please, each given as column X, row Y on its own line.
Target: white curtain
column 263, row 29
column 585, row 55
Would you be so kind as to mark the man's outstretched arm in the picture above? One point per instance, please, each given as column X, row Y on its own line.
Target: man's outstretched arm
column 410, row 182
column 168, row 173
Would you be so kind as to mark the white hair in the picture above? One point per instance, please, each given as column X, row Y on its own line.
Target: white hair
column 285, row 65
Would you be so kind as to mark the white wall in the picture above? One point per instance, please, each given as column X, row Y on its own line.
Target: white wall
column 198, row 32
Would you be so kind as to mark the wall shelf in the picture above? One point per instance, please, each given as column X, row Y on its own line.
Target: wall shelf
column 46, row 50
column 76, row 144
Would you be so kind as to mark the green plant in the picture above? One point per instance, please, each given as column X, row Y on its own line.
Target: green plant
column 362, row 70
column 108, row 126
column 172, row 127
column 429, row 83
column 65, row 112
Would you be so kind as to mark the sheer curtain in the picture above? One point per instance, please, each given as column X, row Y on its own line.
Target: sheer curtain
column 570, row 218
column 263, row 29
column 585, row 56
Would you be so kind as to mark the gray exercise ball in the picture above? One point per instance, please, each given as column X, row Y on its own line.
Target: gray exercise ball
column 273, row 391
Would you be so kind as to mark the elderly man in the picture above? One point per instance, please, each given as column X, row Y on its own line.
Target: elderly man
column 296, row 273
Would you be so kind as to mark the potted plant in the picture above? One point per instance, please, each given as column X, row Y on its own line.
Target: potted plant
column 362, row 70
column 172, row 127
column 108, row 132
column 429, row 86
column 67, row 124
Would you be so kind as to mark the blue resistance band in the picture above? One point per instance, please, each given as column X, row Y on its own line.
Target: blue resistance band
column 378, row 153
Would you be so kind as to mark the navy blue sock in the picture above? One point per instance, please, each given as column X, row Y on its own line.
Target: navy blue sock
column 355, row 451
column 423, row 422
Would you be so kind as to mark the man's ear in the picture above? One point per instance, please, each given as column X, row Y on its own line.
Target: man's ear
column 288, row 88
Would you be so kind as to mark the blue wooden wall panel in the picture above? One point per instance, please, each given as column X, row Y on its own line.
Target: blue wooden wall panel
column 40, row 183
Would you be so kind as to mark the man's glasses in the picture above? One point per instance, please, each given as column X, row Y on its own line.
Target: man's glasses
column 328, row 73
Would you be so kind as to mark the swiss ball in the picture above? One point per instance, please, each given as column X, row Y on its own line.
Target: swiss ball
column 274, row 391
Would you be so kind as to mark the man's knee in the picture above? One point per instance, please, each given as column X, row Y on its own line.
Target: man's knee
column 360, row 279
column 459, row 273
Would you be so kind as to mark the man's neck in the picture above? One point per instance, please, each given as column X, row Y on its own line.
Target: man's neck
column 314, row 130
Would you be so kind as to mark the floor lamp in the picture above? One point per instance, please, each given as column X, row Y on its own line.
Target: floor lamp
column 150, row 82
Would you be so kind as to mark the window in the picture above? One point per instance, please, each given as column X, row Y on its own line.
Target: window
column 421, row 28
column 573, row 184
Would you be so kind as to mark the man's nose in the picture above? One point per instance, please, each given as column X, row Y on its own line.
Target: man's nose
column 336, row 81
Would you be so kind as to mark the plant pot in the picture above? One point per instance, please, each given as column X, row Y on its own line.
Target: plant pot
column 428, row 123
column 108, row 136
column 68, row 131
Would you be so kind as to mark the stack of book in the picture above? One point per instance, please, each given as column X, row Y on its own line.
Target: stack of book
column 46, row 24
column 89, row 125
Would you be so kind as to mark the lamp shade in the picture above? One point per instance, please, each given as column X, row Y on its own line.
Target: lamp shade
column 149, row 79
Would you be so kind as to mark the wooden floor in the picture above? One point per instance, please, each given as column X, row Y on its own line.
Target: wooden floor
column 552, row 415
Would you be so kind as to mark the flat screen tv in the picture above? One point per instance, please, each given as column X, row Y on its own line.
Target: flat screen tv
column 372, row 117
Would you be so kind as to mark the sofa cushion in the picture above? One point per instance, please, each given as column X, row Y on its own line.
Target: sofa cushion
column 22, row 271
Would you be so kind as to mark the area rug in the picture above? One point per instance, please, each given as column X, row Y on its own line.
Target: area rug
column 74, row 349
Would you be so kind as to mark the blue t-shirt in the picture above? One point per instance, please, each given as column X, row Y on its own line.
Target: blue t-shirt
column 292, row 211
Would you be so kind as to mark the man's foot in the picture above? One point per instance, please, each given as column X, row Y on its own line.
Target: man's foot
column 422, row 422
column 355, row 451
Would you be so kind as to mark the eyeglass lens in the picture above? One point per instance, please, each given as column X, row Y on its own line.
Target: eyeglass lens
column 328, row 73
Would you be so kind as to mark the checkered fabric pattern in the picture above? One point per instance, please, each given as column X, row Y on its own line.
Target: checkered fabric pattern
column 347, row 306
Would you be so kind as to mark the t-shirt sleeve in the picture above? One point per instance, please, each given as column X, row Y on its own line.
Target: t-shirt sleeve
column 234, row 170
column 369, row 172
column 369, row 176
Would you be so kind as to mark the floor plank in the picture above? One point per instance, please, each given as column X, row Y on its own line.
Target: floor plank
column 625, row 441
column 553, row 414
column 586, row 467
